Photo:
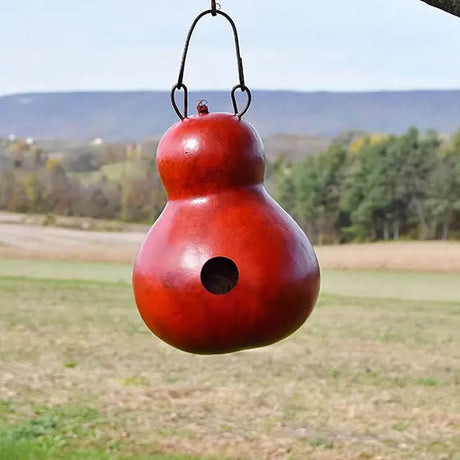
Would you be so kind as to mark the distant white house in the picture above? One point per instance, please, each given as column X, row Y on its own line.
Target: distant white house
column 97, row 141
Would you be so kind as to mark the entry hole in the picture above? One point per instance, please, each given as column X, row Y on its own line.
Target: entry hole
column 219, row 275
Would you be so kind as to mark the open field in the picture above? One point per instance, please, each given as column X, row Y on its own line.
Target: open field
column 53, row 243
column 375, row 374
column 372, row 284
column 112, row 171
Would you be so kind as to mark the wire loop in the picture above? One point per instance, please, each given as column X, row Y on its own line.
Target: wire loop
column 243, row 89
column 175, row 88
column 180, row 81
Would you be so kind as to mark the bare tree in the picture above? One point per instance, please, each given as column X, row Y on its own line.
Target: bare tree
column 451, row 6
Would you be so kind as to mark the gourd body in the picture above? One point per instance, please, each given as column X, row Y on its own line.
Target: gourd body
column 220, row 225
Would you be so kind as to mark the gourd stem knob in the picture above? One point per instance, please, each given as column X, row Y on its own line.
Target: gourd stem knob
column 202, row 107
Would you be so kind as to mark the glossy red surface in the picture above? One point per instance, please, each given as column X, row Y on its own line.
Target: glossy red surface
column 212, row 167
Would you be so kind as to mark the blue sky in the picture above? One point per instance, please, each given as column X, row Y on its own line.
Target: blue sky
column 308, row 45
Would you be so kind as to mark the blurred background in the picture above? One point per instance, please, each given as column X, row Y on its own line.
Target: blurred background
column 358, row 104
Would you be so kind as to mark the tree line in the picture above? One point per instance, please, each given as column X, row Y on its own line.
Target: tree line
column 364, row 188
column 35, row 181
column 376, row 188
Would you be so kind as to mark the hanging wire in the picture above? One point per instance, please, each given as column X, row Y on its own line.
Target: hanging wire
column 214, row 11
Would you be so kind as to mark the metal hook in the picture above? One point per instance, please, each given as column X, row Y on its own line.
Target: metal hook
column 178, row 87
column 241, row 86
column 243, row 89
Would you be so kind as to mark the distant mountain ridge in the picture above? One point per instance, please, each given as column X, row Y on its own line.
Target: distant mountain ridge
column 145, row 114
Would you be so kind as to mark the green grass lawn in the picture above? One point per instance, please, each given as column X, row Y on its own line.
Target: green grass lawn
column 402, row 285
column 373, row 374
column 19, row 449
column 45, row 269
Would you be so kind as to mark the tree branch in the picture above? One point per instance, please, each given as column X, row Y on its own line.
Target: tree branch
column 451, row 6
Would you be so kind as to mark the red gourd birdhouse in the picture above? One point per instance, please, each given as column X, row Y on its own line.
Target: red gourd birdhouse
column 224, row 268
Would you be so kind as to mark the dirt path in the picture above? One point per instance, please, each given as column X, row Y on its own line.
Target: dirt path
column 37, row 242
column 417, row 256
